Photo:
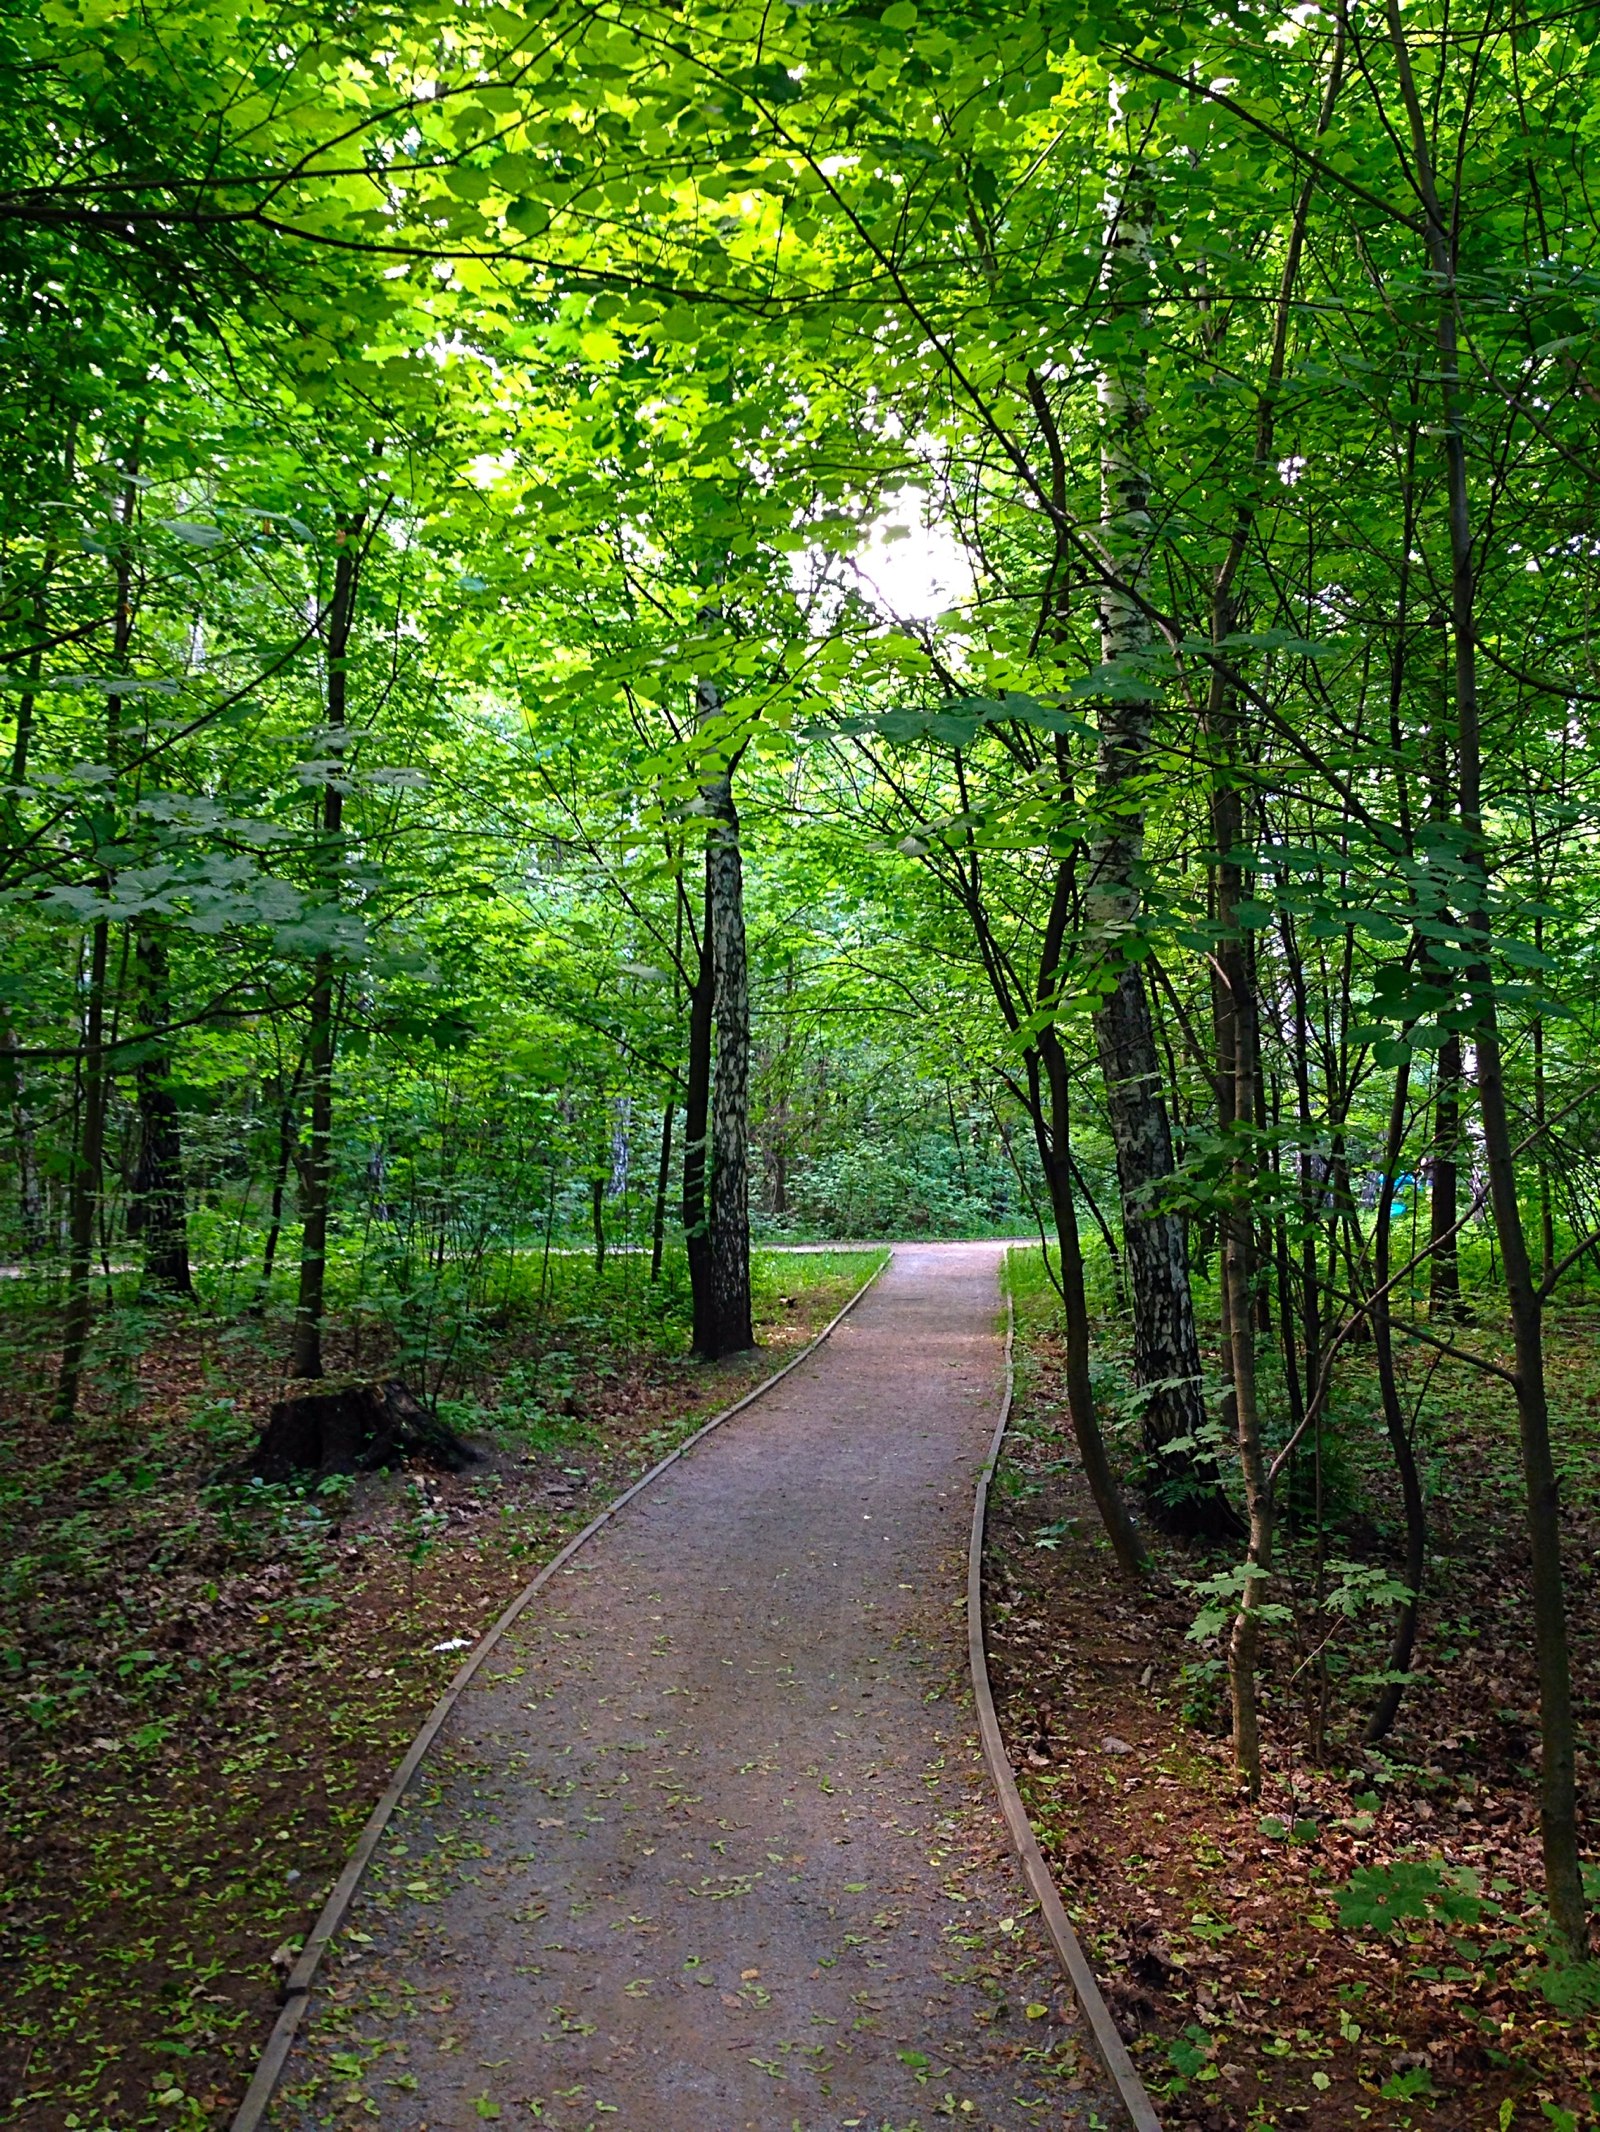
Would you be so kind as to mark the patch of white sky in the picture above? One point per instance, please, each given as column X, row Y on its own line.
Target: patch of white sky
column 909, row 566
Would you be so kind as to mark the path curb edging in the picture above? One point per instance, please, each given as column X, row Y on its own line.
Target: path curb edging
column 1069, row 1949
column 297, row 1989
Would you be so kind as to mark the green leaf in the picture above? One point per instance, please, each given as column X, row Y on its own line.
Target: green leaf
column 1381, row 1898
column 193, row 534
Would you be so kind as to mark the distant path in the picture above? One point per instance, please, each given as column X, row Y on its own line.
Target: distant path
column 708, row 1846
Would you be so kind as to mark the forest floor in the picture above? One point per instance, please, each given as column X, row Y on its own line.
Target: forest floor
column 1364, row 1947
column 209, row 1679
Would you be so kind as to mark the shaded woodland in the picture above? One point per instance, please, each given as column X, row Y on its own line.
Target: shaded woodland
column 630, row 629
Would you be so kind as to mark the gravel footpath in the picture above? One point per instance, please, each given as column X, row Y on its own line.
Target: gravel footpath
column 708, row 1846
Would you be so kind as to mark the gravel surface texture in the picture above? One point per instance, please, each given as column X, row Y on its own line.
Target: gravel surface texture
column 709, row 1845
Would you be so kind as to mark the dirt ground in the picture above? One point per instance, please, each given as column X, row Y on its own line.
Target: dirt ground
column 710, row 1845
column 1254, row 1987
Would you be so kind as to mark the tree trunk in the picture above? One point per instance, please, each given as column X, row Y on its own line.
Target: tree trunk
column 1444, row 1261
column 1166, row 1348
column 696, row 1121
column 158, row 1215
column 1541, row 1146
column 305, row 1357
column 30, row 1189
column 1558, row 1805
column 1052, row 1129
column 1444, row 1177
column 728, row 1329
column 658, row 1218
column 88, row 1164
column 280, row 1178
column 1053, row 1144
column 316, row 1180
column 83, row 1197
column 1237, row 1105
column 1404, row 1639
column 597, row 1221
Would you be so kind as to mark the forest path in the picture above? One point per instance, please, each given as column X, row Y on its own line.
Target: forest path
column 709, row 1844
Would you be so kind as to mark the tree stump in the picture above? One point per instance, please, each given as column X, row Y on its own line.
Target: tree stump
column 352, row 1425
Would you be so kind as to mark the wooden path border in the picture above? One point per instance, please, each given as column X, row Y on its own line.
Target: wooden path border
column 1069, row 1949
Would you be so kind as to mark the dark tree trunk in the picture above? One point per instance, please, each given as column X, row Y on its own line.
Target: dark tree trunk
column 1052, row 1133
column 1558, row 1802
column 83, row 1197
column 658, row 1218
column 696, row 1122
column 728, row 1328
column 305, row 1358
column 1166, row 1347
column 1444, row 1155
column 1444, row 1262
column 1401, row 1447
column 1238, row 1111
column 158, row 1214
column 30, row 1189
column 93, row 1072
column 280, row 1179
column 1184, row 1495
column 1051, row 1113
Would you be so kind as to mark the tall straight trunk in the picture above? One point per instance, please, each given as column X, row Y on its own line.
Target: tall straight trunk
column 696, row 1123
column 27, row 702
column 1166, row 1347
column 1403, row 1642
column 316, row 1186
column 1558, row 1804
column 1444, row 1253
column 658, row 1216
column 1245, row 1637
column 158, row 1214
column 280, row 1179
column 1052, row 1124
column 93, row 1075
column 316, row 1178
column 1237, row 1103
column 1052, row 1132
column 1241, row 1091
column 83, row 1195
column 1312, row 1183
column 30, row 1188
column 1444, row 1258
column 1541, row 1162
column 727, row 1328
column 597, row 1221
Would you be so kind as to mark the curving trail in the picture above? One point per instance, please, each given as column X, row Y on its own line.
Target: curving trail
column 708, row 1846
